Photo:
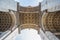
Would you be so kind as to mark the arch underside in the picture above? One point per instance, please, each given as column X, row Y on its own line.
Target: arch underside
column 29, row 26
column 51, row 21
column 29, row 20
column 6, row 21
column 29, row 17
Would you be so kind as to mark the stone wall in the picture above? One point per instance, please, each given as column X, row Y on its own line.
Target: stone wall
column 51, row 5
column 8, row 4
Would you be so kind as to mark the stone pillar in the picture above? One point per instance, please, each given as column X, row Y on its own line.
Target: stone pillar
column 40, row 15
column 18, row 21
column 40, row 9
column 19, row 29
column 18, row 6
column 39, row 31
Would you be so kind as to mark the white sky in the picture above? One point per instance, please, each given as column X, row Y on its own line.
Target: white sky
column 29, row 2
column 27, row 34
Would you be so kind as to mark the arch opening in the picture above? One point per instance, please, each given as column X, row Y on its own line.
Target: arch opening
column 28, row 34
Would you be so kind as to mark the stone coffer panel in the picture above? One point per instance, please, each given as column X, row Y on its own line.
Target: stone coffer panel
column 29, row 20
column 7, row 21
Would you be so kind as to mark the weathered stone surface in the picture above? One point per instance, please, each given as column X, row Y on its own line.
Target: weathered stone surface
column 7, row 21
column 8, row 4
column 51, row 21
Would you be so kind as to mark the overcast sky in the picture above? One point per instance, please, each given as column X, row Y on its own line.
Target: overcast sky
column 29, row 2
column 27, row 34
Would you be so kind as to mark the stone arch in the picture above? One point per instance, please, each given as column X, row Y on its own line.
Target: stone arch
column 29, row 17
column 7, row 21
column 51, row 21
